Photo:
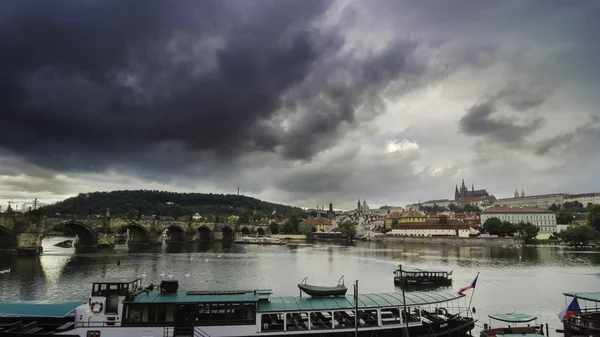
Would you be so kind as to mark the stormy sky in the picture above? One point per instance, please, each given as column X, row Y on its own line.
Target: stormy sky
column 299, row 102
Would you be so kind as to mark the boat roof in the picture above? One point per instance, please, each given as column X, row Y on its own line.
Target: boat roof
column 591, row 296
column 118, row 280
column 513, row 317
column 39, row 308
column 197, row 296
column 347, row 302
column 408, row 269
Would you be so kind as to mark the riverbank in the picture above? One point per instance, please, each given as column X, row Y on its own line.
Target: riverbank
column 451, row 240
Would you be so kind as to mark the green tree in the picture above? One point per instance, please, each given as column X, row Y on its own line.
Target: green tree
column 495, row 226
column 132, row 213
column 564, row 217
column 527, row 230
column 593, row 216
column 349, row 228
column 580, row 235
column 292, row 224
column 244, row 218
column 274, row 227
column 553, row 208
column 232, row 219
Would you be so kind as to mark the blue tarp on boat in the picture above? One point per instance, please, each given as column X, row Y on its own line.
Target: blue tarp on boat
column 39, row 308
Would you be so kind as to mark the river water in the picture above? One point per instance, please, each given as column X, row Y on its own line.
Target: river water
column 521, row 279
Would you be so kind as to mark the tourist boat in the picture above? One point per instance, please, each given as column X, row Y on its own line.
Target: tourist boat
column 585, row 321
column 320, row 291
column 518, row 324
column 260, row 240
column 123, row 307
column 418, row 277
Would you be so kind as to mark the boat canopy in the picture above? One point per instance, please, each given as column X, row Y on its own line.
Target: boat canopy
column 39, row 308
column 513, row 317
column 239, row 296
column 594, row 297
column 280, row 304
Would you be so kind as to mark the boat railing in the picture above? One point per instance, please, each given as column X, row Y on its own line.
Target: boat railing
column 198, row 332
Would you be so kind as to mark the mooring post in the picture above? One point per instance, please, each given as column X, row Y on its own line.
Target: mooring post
column 356, row 308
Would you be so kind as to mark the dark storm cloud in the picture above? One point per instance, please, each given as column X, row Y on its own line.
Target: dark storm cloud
column 89, row 84
column 582, row 139
column 479, row 121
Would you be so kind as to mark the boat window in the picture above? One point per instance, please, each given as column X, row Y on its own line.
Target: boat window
column 296, row 321
column 271, row 322
column 367, row 318
column 134, row 313
column 413, row 315
column 112, row 305
column 343, row 319
column 390, row 316
column 149, row 313
column 320, row 321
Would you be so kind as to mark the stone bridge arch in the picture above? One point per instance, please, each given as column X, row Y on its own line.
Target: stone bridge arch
column 245, row 231
column 205, row 233
column 228, row 233
column 260, row 231
column 136, row 234
column 7, row 239
column 175, row 233
column 86, row 236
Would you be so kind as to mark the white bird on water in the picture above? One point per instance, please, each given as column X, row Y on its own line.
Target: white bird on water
column 162, row 274
column 187, row 275
column 171, row 275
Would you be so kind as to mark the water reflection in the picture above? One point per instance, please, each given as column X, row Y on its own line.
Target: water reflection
column 527, row 279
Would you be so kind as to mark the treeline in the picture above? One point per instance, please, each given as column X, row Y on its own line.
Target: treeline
column 161, row 203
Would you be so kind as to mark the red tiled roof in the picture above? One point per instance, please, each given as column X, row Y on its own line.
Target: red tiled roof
column 407, row 214
column 516, row 210
column 535, row 196
column 314, row 222
column 581, row 195
column 450, row 224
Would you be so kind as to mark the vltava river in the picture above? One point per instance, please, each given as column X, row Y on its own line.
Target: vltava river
column 524, row 279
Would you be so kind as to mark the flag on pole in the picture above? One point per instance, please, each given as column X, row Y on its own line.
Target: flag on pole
column 470, row 286
column 571, row 310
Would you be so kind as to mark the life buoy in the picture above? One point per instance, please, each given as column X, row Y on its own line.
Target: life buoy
column 96, row 307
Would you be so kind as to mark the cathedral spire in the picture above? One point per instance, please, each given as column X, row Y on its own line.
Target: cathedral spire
column 522, row 193
column 516, row 193
column 472, row 187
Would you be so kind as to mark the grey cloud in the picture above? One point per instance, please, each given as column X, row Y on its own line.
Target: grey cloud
column 583, row 139
column 479, row 121
column 88, row 89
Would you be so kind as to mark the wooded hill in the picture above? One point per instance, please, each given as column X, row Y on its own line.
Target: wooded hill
column 147, row 203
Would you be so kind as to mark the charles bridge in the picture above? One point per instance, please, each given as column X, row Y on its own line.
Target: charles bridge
column 25, row 233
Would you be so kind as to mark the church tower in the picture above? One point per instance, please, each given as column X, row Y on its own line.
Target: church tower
column 358, row 205
column 456, row 194
column 516, row 193
column 522, row 193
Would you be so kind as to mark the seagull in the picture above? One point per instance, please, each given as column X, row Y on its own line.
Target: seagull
column 144, row 275
column 162, row 274
column 205, row 260
column 171, row 275
column 187, row 275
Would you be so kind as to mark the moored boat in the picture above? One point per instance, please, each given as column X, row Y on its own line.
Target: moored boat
column 516, row 324
column 122, row 307
column 582, row 316
column 321, row 291
column 423, row 278
column 260, row 240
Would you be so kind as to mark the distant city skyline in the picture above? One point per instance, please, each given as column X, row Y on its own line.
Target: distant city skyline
column 299, row 102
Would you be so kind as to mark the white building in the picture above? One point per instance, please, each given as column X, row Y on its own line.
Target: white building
column 543, row 218
column 584, row 198
column 543, row 201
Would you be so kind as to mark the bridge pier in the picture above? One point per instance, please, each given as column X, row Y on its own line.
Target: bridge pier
column 29, row 242
column 106, row 239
